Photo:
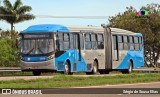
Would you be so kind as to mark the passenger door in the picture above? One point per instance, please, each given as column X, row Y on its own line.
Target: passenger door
column 76, row 47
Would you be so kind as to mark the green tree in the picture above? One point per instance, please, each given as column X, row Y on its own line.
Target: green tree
column 148, row 25
column 7, row 56
column 15, row 13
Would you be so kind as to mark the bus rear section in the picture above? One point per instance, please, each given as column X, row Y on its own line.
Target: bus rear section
column 128, row 51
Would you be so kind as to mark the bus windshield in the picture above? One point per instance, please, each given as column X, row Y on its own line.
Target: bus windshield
column 37, row 46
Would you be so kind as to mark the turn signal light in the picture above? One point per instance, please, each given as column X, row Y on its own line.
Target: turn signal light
column 50, row 57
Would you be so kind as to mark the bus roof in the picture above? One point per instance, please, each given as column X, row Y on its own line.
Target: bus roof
column 45, row 28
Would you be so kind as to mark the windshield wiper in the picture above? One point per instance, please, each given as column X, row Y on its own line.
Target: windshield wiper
column 30, row 51
column 41, row 51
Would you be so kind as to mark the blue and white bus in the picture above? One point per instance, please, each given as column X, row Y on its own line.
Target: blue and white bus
column 90, row 49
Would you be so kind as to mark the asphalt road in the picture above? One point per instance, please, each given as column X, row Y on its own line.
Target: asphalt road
column 138, row 86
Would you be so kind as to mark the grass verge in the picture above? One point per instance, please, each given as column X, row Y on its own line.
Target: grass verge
column 72, row 81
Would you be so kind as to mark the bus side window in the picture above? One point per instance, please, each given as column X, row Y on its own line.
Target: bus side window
column 120, row 42
column 100, row 41
column 81, row 41
column 140, row 42
column 66, row 41
column 136, row 43
column 87, row 41
column 115, row 42
column 60, row 41
column 125, row 40
column 94, row 41
column 131, row 43
column 75, row 41
column 71, row 41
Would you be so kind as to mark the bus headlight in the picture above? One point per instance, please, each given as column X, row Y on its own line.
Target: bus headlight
column 22, row 58
column 50, row 57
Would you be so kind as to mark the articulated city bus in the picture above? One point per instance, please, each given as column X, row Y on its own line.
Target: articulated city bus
column 90, row 49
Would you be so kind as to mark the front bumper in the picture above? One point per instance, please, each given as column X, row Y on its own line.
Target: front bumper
column 43, row 65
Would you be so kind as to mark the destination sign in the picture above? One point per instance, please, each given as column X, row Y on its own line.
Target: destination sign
column 37, row 36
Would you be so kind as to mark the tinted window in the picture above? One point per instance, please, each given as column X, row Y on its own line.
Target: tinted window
column 115, row 42
column 140, row 39
column 100, row 37
column 120, row 43
column 87, row 38
column 131, row 44
column 60, row 36
column 87, row 43
column 100, row 41
column 66, row 37
column 119, row 38
column 125, row 39
column 93, row 37
column 66, row 45
column 136, row 46
column 94, row 41
column 81, row 41
column 71, row 41
column 130, row 39
column 60, row 41
column 140, row 43
column 75, row 41
column 140, row 46
column 135, row 39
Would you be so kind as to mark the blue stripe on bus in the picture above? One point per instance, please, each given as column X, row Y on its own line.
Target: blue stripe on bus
column 45, row 28
column 136, row 56
column 70, row 55
column 35, row 59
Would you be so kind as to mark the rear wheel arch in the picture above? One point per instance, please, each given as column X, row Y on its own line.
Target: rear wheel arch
column 96, row 60
column 131, row 62
column 68, row 62
column 94, row 67
column 130, row 67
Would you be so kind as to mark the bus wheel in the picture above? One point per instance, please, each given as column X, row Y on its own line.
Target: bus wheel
column 104, row 72
column 67, row 69
column 36, row 73
column 101, row 71
column 95, row 68
column 129, row 70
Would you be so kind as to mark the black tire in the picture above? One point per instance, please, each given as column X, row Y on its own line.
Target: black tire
column 88, row 73
column 95, row 68
column 129, row 70
column 67, row 70
column 104, row 72
column 101, row 71
column 36, row 73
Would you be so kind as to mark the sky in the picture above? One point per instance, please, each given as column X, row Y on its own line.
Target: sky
column 74, row 8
